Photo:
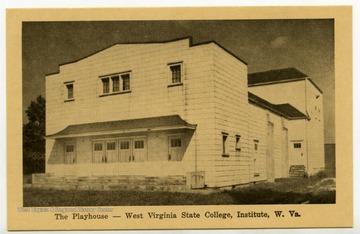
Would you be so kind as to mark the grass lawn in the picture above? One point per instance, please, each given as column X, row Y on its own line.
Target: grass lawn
column 286, row 191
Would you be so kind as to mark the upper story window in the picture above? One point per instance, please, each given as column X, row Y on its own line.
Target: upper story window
column 125, row 81
column 106, row 85
column 69, row 89
column 297, row 145
column 176, row 73
column 115, row 83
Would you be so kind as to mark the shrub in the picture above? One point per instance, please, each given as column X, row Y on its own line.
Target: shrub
column 321, row 174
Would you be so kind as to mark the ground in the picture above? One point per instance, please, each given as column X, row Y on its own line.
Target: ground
column 284, row 191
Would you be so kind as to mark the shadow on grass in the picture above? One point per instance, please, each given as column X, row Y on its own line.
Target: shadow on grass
column 269, row 196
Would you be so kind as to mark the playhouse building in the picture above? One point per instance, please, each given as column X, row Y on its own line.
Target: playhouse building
column 180, row 110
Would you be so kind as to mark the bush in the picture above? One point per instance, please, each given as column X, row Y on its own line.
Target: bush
column 33, row 162
column 321, row 174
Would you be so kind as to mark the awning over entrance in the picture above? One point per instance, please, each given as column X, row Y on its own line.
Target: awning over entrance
column 124, row 126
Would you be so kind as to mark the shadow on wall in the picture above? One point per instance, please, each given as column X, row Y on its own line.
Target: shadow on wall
column 330, row 160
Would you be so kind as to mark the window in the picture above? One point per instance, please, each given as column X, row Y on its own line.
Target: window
column 237, row 142
column 224, row 144
column 98, row 147
column 110, row 146
column 256, row 145
column 124, row 145
column 69, row 148
column 139, row 144
column 69, row 91
column 297, row 145
column 176, row 73
column 106, row 85
column 125, row 82
column 115, row 83
column 175, row 142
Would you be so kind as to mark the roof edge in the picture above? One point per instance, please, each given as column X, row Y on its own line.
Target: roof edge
column 189, row 38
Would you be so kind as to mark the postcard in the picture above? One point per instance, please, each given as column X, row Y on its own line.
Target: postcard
column 179, row 118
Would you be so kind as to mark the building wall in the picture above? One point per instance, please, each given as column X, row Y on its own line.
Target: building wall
column 231, row 117
column 258, row 134
column 288, row 92
column 304, row 96
column 150, row 95
column 315, row 128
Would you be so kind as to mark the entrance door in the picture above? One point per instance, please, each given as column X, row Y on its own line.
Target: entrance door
column 139, row 153
column 175, row 148
column 297, row 155
column 270, row 152
column 69, row 153
column 111, row 152
column 285, row 152
column 99, row 152
column 124, row 151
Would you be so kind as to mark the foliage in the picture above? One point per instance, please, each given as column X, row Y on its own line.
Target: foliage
column 33, row 137
column 321, row 174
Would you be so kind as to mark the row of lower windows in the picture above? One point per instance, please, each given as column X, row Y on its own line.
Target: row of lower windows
column 120, row 82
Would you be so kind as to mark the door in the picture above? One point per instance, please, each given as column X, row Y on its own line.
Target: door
column 256, row 159
column 139, row 153
column 175, row 148
column 99, row 152
column 124, row 151
column 69, row 153
column 111, row 152
column 297, row 155
column 270, row 167
column 285, row 152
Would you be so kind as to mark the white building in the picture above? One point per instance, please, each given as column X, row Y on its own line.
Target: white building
column 178, row 109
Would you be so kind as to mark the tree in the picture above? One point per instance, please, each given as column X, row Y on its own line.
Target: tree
column 33, row 138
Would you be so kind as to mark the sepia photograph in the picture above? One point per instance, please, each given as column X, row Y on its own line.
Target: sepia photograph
column 197, row 112
column 199, row 121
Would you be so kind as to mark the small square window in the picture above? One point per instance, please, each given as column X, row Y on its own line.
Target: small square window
column 297, row 145
column 110, row 146
column 69, row 148
column 175, row 73
column 176, row 142
column 139, row 144
column 97, row 147
column 124, row 145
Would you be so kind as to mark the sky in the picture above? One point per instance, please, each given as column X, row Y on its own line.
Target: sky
column 307, row 45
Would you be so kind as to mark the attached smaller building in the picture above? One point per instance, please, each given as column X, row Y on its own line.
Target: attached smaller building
column 284, row 87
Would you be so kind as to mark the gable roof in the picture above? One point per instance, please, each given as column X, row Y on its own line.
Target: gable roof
column 275, row 76
column 286, row 110
column 123, row 126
